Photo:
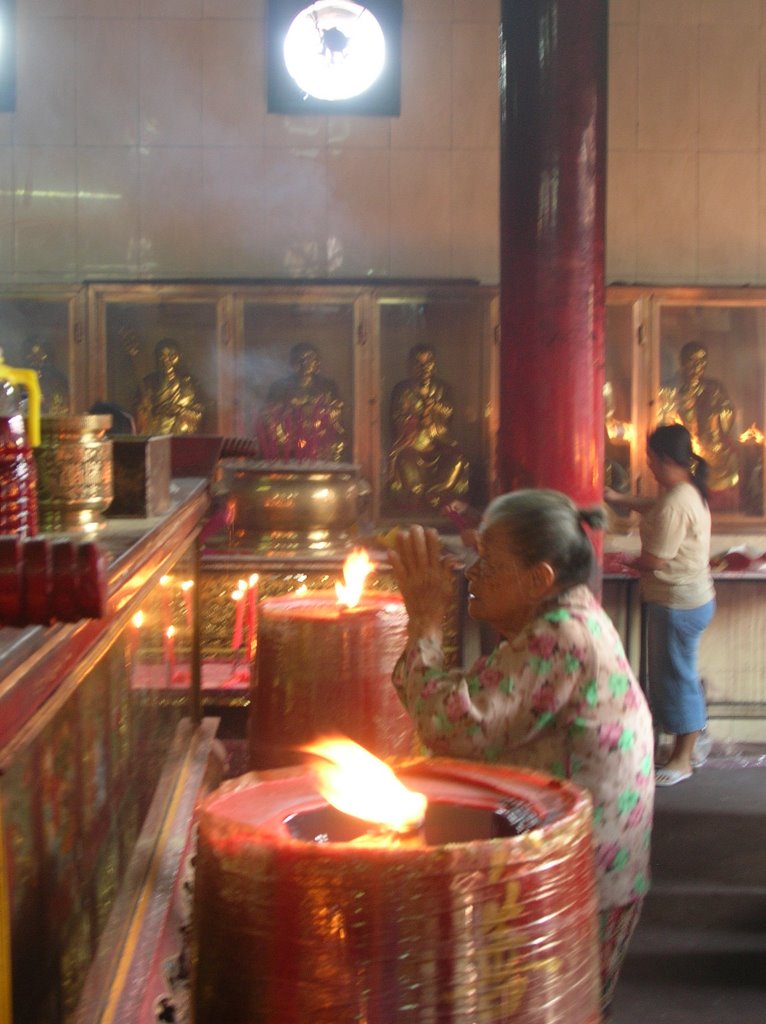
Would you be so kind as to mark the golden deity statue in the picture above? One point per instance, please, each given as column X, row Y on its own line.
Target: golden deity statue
column 703, row 406
column 303, row 417
column 168, row 401
column 426, row 466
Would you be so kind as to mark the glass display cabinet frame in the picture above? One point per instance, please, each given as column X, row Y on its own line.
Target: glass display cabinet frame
column 53, row 320
column 460, row 324
column 696, row 356
column 126, row 322
column 271, row 321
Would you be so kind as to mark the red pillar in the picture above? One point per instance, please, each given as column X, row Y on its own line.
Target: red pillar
column 552, row 197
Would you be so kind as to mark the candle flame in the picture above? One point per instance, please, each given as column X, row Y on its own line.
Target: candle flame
column 138, row 619
column 301, row 591
column 170, row 632
column 237, row 595
column 187, row 585
column 356, row 568
column 358, row 783
column 751, row 434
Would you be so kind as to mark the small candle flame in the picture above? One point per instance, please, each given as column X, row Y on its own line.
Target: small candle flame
column 358, row 783
column 187, row 585
column 170, row 632
column 751, row 434
column 356, row 568
column 138, row 619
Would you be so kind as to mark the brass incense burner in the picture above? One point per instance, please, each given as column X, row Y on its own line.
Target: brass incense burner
column 298, row 508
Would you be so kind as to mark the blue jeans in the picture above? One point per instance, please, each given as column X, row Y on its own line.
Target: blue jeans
column 674, row 687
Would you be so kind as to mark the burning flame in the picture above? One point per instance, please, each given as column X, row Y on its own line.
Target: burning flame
column 359, row 784
column 751, row 434
column 356, row 568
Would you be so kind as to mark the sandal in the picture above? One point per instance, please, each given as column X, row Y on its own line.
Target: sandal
column 670, row 776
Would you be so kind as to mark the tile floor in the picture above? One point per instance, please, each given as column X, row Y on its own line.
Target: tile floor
column 699, row 953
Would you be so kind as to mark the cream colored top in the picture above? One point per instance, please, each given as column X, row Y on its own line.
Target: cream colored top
column 677, row 529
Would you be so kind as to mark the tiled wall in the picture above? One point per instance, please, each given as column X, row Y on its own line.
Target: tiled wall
column 687, row 142
column 141, row 147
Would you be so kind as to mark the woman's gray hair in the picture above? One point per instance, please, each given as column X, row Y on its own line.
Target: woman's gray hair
column 546, row 526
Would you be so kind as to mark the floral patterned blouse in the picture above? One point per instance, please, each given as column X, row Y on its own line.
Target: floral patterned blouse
column 560, row 697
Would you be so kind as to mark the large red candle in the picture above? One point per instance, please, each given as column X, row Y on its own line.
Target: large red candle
column 485, row 917
column 323, row 667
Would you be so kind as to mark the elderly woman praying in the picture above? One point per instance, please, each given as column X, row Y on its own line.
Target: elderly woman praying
column 556, row 694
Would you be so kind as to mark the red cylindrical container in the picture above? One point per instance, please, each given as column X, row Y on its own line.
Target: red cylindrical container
column 322, row 667
column 488, row 916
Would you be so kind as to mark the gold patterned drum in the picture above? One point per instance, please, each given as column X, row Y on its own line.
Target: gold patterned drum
column 75, row 476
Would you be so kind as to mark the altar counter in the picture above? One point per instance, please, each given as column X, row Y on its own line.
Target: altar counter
column 84, row 744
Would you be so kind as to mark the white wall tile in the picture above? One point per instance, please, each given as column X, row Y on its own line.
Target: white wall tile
column 6, row 210
column 728, row 217
column 666, row 205
column 624, row 12
column 728, row 12
column 420, row 221
column 356, row 132
column 171, row 8
column 669, row 12
column 109, row 8
column 232, row 209
column 622, row 105
column 425, row 118
column 281, row 197
column 171, row 197
column 233, row 8
column 45, row 211
column 108, row 228
column 358, row 212
column 234, row 108
column 475, row 85
column 668, row 91
column 107, row 81
column 729, row 87
column 476, row 10
column 475, row 214
column 282, row 131
column 171, row 82
column 621, row 215
column 45, row 82
column 47, row 9
column 423, row 10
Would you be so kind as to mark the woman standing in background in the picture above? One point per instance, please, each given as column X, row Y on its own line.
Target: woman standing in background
column 677, row 591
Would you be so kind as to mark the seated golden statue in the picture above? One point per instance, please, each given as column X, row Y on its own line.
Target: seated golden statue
column 168, row 401
column 54, row 385
column 426, row 467
column 303, row 417
column 702, row 405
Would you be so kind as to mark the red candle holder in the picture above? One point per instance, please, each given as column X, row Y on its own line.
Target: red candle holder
column 322, row 667
column 486, row 916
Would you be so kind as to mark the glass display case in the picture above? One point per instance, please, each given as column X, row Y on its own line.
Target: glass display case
column 309, row 372
column 162, row 353
column 300, row 372
column 44, row 329
column 435, row 377
column 697, row 357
